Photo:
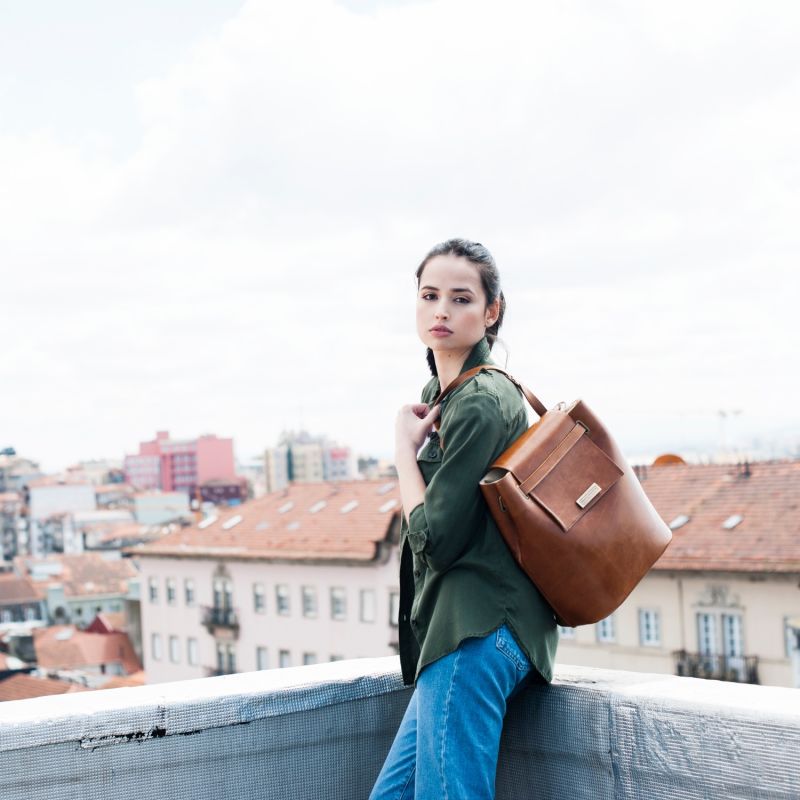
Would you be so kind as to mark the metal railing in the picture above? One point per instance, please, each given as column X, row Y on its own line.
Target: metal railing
column 740, row 669
column 220, row 617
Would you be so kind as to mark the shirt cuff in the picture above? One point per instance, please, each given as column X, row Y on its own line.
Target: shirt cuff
column 417, row 528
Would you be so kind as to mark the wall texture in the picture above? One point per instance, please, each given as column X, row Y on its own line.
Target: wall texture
column 322, row 731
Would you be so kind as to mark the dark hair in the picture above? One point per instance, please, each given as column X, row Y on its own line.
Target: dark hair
column 490, row 279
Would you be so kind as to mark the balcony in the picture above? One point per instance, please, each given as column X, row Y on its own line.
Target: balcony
column 221, row 621
column 322, row 731
column 741, row 669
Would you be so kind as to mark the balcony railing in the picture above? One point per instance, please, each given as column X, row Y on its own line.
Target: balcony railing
column 218, row 619
column 740, row 669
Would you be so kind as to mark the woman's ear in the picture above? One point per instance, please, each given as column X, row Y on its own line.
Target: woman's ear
column 492, row 312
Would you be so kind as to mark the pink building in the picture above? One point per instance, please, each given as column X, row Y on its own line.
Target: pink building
column 180, row 464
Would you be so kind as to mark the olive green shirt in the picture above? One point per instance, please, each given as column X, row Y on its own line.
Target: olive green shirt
column 458, row 577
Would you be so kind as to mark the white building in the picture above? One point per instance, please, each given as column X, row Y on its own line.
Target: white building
column 295, row 577
column 723, row 601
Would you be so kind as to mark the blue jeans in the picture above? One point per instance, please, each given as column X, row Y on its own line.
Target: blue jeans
column 447, row 745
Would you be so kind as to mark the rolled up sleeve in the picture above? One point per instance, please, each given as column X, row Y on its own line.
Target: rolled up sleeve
column 441, row 527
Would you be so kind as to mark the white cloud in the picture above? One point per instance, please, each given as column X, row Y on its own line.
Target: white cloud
column 632, row 169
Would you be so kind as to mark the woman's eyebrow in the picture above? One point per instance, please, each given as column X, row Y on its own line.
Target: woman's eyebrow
column 465, row 289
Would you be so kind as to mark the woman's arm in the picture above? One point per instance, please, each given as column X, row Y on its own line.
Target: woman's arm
column 452, row 506
column 414, row 423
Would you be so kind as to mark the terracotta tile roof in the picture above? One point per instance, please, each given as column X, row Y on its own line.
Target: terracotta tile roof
column 311, row 525
column 118, row 681
column 55, row 480
column 82, row 574
column 66, row 647
column 108, row 622
column 17, row 589
column 105, row 488
column 767, row 539
column 23, row 687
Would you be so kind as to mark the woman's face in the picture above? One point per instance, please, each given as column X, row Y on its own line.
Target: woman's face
column 451, row 299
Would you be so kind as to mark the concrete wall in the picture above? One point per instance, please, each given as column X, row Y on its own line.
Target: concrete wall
column 322, row 731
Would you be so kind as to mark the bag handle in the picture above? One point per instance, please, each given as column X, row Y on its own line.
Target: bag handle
column 535, row 402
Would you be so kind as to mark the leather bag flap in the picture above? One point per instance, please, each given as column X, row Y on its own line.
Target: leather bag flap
column 576, row 482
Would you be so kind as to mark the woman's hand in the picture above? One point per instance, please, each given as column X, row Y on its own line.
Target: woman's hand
column 414, row 422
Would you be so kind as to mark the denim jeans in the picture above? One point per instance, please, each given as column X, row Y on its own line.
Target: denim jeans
column 448, row 741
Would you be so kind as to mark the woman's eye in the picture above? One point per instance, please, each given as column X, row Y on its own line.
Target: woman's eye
column 465, row 299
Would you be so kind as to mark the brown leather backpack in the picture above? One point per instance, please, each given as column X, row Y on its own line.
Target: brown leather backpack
column 571, row 510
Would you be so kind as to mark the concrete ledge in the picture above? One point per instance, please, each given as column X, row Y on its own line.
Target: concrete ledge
column 323, row 731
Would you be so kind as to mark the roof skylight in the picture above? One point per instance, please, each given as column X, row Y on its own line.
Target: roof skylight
column 203, row 524
column 387, row 487
column 388, row 505
column 348, row 506
column 732, row 521
column 287, row 506
column 318, row 506
column 679, row 521
column 232, row 522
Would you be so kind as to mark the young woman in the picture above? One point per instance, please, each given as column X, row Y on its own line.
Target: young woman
column 473, row 629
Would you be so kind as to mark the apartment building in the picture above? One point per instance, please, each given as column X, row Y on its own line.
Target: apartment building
column 295, row 577
column 180, row 464
column 723, row 601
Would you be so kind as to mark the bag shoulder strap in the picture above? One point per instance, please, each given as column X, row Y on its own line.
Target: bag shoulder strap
column 534, row 401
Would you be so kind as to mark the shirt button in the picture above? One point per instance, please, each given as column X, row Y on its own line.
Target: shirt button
column 417, row 573
column 432, row 452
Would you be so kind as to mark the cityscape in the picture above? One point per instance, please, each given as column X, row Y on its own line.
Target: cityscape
column 174, row 563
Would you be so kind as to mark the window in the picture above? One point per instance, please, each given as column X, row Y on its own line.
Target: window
column 282, row 599
column 337, row 658
column 706, row 634
column 5, row 615
column 394, row 608
column 152, row 583
column 226, row 658
column 223, row 593
column 171, row 593
column 261, row 658
column 174, row 650
column 732, row 644
column 338, row 602
column 188, row 591
column 649, row 628
column 791, row 637
column 566, row 632
column 30, row 612
column 309, row 601
column 284, row 658
column 259, row 600
column 309, row 658
column 191, row 651
column 155, row 646
column 605, row 629
column 367, row 605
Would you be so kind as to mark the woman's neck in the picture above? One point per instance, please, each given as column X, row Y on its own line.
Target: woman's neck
column 448, row 365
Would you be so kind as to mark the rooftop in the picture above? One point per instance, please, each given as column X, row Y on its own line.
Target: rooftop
column 325, row 520
column 322, row 731
column 765, row 494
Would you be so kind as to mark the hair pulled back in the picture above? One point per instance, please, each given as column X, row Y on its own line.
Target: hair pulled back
column 476, row 253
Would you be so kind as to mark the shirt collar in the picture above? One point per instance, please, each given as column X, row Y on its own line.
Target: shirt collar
column 480, row 354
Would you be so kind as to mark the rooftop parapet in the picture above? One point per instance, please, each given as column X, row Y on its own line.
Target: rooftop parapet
column 322, row 731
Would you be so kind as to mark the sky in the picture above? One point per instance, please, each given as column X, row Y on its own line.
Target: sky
column 211, row 214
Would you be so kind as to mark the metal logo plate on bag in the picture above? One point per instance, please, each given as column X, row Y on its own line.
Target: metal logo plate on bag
column 587, row 496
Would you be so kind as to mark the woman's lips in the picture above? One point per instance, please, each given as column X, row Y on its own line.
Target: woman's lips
column 440, row 332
